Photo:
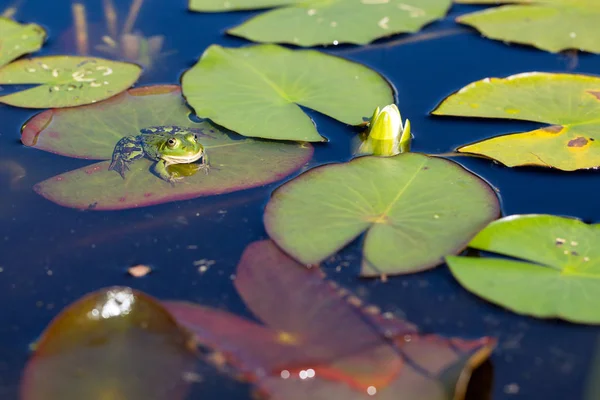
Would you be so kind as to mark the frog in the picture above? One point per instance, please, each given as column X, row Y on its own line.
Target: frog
column 166, row 145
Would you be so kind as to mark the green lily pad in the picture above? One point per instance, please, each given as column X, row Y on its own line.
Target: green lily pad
column 415, row 209
column 551, row 25
column 66, row 81
column 557, row 274
column 569, row 103
column 317, row 22
column 18, row 39
column 92, row 132
column 257, row 90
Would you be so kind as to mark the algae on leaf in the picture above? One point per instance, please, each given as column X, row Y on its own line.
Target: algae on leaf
column 551, row 25
column 92, row 131
column 17, row 39
column 414, row 209
column 553, row 272
column 258, row 90
column 569, row 104
column 66, row 81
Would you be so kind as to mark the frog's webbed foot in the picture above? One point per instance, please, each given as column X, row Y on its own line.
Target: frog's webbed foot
column 127, row 150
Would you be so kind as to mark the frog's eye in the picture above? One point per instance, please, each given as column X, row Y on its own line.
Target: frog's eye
column 172, row 142
column 192, row 138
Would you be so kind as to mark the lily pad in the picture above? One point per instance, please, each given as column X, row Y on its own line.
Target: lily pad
column 556, row 273
column 258, row 90
column 18, row 39
column 414, row 209
column 92, row 132
column 115, row 343
column 568, row 103
column 315, row 22
column 66, row 81
column 551, row 25
column 320, row 335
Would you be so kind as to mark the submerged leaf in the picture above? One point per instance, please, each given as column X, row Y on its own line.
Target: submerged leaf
column 568, row 103
column 415, row 209
column 320, row 344
column 93, row 131
column 17, row 39
column 551, row 25
column 556, row 273
column 115, row 343
column 315, row 22
column 257, row 91
column 66, row 81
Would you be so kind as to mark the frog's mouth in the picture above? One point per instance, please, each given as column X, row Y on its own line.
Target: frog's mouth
column 186, row 159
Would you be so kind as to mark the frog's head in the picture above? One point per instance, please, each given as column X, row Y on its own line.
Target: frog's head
column 180, row 148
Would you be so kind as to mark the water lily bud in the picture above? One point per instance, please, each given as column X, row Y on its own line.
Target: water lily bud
column 386, row 135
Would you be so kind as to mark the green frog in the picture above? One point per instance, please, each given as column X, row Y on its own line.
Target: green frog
column 164, row 144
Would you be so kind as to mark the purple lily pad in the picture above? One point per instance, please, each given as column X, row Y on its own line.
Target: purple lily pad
column 318, row 342
column 115, row 343
column 92, row 131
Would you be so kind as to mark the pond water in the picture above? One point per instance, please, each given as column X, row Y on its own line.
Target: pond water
column 50, row 255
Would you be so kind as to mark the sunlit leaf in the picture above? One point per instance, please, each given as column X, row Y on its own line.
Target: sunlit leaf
column 319, row 343
column 115, row 343
column 415, row 210
column 258, row 90
column 66, row 81
column 551, row 25
column 568, row 103
column 17, row 39
column 315, row 22
column 554, row 270
column 92, row 132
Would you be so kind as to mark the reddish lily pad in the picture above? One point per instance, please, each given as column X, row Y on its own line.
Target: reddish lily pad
column 320, row 343
column 115, row 343
column 92, row 131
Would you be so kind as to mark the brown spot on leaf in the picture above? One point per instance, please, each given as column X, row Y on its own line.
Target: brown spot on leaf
column 553, row 129
column 578, row 142
column 595, row 93
column 122, row 199
column 147, row 194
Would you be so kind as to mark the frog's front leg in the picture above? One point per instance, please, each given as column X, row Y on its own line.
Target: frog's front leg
column 204, row 164
column 160, row 169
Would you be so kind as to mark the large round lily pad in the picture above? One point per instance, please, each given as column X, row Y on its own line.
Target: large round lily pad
column 92, row 132
column 258, row 90
column 569, row 103
column 551, row 25
column 415, row 210
column 115, row 343
column 66, row 81
column 316, row 22
column 556, row 274
column 18, row 39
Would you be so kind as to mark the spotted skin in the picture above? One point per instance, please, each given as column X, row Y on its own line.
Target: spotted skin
column 164, row 144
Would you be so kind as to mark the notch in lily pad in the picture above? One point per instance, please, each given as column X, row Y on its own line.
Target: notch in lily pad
column 567, row 103
column 18, row 39
column 66, row 81
column 93, row 132
column 412, row 208
column 314, row 22
column 540, row 265
column 257, row 91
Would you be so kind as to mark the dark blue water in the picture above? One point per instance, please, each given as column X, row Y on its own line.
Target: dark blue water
column 51, row 255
